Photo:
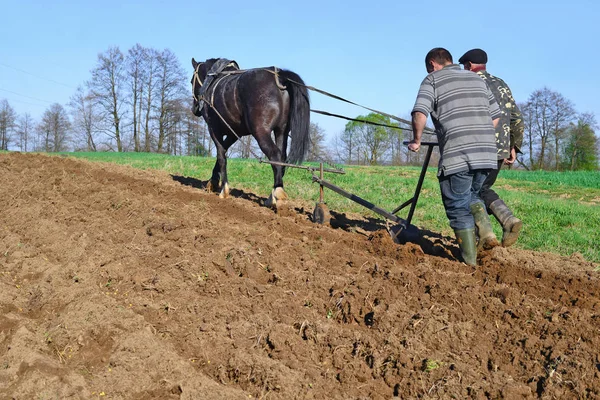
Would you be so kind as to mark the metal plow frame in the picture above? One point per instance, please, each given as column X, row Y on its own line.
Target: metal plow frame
column 402, row 231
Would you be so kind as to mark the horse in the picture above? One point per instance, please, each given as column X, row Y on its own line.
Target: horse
column 258, row 102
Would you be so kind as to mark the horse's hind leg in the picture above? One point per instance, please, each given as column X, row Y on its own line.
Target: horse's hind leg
column 281, row 140
column 273, row 153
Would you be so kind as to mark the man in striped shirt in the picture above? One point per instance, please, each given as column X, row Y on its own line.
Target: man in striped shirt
column 464, row 113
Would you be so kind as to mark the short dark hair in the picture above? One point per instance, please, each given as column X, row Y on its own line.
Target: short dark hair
column 439, row 55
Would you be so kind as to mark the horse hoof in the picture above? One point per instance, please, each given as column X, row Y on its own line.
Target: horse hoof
column 280, row 194
column 277, row 198
column 269, row 201
column 224, row 192
column 212, row 186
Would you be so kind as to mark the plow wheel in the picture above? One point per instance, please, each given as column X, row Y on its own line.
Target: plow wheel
column 321, row 214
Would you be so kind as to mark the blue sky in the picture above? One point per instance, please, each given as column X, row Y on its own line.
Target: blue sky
column 370, row 53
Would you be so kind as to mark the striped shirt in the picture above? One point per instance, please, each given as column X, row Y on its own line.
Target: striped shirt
column 461, row 107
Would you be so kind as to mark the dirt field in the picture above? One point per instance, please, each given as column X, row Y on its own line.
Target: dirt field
column 124, row 284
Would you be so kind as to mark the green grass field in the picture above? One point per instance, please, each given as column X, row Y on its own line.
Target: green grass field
column 560, row 210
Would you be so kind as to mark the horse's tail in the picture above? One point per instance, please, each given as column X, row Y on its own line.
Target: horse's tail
column 299, row 118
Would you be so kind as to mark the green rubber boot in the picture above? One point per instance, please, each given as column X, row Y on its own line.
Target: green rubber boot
column 511, row 225
column 487, row 237
column 467, row 245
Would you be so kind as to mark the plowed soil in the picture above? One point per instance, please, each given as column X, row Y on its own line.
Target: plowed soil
column 117, row 283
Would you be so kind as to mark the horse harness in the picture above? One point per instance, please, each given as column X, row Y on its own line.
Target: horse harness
column 216, row 74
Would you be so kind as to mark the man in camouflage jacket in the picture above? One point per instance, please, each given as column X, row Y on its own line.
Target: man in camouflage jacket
column 509, row 137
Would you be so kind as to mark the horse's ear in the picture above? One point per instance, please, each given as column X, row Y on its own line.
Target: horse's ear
column 194, row 63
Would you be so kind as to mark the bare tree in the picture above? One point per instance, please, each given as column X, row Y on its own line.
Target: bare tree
column 347, row 145
column 528, row 135
column 54, row 128
column 169, row 92
column 106, row 87
column 316, row 149
column 563, row 113
column 549, row 113
column 25, row 126
column 8, row 118
column 245, row 147
column 85, row 120
column 198, row 141
column 151, row 69
column 136, row 64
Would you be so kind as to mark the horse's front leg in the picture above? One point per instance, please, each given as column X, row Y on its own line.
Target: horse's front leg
column 213, row 184
column 222, row 148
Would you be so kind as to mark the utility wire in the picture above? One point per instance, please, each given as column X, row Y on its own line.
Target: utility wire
column 37, row 76
column 29, row 97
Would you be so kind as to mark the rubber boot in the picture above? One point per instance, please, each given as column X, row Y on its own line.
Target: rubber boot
column 467, row 245
column 487, row 237
column 511, row 225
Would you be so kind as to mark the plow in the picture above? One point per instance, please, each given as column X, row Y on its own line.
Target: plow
column 400, row 229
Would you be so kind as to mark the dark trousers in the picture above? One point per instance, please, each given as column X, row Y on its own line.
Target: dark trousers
column 487, row 193
column 459, row 191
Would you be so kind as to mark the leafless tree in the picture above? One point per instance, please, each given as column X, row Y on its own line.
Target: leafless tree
column 25, row 126
column 54, row 129
column 85, row 120
column 316, row 149
column 245, row 147
column 347, row 146
column 528, row 136
column 563, row 113
column 106, row 87
column 550, row 114
column 137, row 73
column 8, row 118
column 198, row 141
column 169, row 92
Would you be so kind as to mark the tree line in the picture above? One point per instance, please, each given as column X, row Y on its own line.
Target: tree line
column 140, row 101
column 134, row 101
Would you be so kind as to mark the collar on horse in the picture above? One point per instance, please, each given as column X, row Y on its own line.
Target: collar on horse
column 215, row 70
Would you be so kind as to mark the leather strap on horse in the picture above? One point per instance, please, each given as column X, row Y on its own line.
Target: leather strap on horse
column 214, row 71
column 275, row 72
column 364, row 121
column 427, row 130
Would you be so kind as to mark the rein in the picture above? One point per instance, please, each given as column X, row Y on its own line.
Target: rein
column 426, row 130
column 224, row 74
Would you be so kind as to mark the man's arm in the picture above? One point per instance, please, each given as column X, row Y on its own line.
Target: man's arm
column 418, row 125
column 517, row 126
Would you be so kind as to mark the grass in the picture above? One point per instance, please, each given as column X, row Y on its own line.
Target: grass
column 560, row 210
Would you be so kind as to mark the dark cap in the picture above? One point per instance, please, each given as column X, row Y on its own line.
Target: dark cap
column 474, row 56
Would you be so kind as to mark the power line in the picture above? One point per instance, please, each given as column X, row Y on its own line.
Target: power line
column 25, row 102
column 37, row 76
column 29, row 97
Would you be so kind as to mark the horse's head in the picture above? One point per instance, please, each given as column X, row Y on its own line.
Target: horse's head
column 201, row 70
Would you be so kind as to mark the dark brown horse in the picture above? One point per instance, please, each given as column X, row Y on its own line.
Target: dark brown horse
column 261, row 102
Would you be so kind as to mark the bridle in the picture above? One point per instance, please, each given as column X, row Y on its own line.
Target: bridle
column 196, row 78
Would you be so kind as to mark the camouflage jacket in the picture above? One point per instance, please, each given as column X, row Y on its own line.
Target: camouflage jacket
column 509, row 132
